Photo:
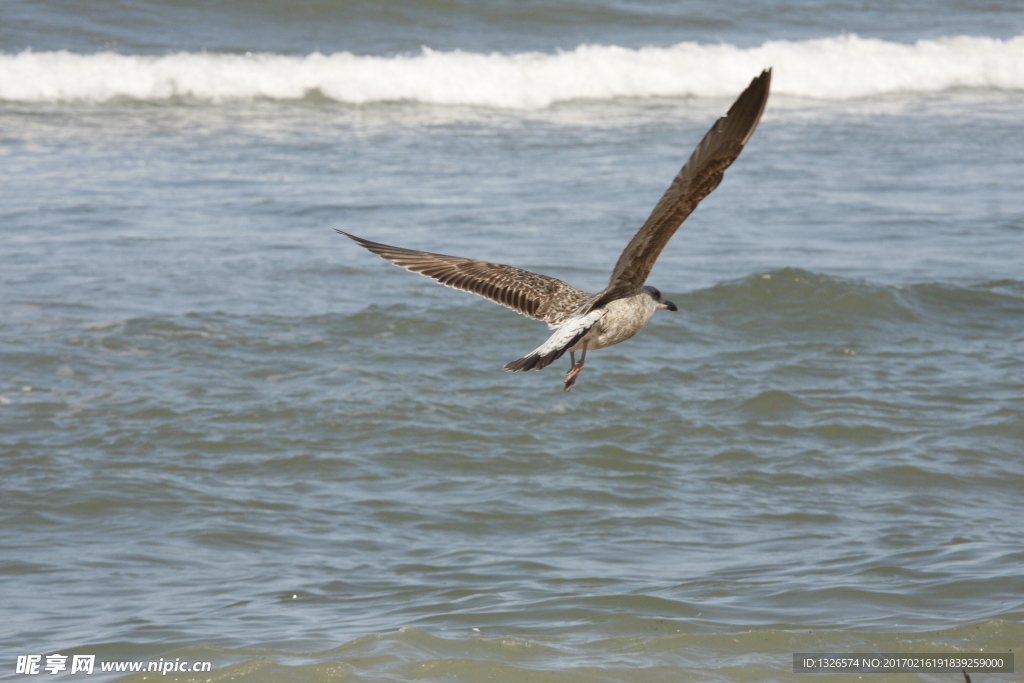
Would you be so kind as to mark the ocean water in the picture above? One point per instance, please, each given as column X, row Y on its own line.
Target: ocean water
column 229, row 435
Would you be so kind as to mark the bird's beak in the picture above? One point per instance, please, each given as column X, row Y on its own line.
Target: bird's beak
column 669, row 305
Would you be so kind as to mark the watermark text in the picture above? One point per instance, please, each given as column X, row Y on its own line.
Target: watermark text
column 54, row 664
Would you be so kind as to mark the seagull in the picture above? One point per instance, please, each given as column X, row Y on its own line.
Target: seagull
column 583, row 321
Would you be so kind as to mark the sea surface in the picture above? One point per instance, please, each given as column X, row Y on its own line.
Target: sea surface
column 230, row 435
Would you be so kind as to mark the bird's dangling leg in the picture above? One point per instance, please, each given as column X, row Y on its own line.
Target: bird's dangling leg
column 570, row 377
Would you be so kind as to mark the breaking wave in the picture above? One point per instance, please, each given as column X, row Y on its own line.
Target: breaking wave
column 839, row 68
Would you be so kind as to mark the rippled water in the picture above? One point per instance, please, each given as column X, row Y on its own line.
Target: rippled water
column 230, row 435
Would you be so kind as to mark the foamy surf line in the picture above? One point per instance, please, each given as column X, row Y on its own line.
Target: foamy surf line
column 840, row 68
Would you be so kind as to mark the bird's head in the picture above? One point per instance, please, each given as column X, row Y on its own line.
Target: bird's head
column 656, row 295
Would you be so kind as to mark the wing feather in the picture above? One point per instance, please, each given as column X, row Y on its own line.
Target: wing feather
column 699, row 176
column 536, row 296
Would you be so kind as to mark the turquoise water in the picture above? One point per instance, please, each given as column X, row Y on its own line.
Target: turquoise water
column 230, row 435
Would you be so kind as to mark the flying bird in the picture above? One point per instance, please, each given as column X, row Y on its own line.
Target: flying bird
column 585, row 321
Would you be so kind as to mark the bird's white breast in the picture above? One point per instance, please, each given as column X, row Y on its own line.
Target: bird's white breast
column 625, row 317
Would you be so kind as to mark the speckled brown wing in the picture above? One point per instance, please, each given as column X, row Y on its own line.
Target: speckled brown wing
column 699, row 176
column 536, row 296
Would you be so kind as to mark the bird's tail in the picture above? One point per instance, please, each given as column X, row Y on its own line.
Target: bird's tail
column 565, row 337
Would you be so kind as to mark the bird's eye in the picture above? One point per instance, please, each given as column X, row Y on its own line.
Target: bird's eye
column 656, row 293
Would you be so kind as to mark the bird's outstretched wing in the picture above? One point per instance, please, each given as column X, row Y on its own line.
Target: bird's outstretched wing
column 536, row 296
column 699, row 176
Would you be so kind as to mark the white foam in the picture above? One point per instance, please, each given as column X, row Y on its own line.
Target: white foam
column 843, row 67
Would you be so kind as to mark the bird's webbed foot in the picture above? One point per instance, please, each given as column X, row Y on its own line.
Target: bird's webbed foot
column 570, row 377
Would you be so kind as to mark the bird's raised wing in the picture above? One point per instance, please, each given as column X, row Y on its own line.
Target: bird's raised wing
column 536, row 296
column 698, row 177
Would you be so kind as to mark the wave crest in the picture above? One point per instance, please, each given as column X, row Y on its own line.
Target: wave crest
column 795, row 300
column 838, row 68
